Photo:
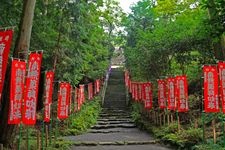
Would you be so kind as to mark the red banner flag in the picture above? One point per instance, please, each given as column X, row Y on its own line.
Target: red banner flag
column 182, row 93
column 78, row 98
column 221, row 67
column 135, row 91
column 31, row 92
column 5, row 42
column 126, row 78
column 63, row 100
column 140, row 91
column 82, row 95
column 49, row 86
column 162, row 94
column 49, row 77
column 171, row 94
column 132, row 89
column 97, row 86
column 211, row 100
column 47, row 112
column 130, row 85
column 90, row 91
column 18, row 73
column 147, row 95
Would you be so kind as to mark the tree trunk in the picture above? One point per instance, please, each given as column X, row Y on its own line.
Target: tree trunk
column 219, row 45
column 7, row 132
column 23, row 39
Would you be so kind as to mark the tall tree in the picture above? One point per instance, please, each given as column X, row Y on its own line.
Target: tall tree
column 7, row 132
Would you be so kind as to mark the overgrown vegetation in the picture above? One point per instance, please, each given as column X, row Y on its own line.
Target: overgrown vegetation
column 81, row 121
column 189, row 136
column 77, row 123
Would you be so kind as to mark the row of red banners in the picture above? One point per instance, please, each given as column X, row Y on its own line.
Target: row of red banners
column 214, row 87
column 172, row 92
column 24, row 87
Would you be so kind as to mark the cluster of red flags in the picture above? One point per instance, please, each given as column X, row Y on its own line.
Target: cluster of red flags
column 214, row 87
column 141, row 92
column 172, row 92
column 24, row 87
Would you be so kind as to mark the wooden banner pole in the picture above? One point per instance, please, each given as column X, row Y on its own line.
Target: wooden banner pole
column 168, row 116
column 223, row 134
column 46, row 135
column 38, row 139
column 42, row 135
column 214, row 130
column 20, row 136
column 178, row 122
column 203, row 126
column 28, row 142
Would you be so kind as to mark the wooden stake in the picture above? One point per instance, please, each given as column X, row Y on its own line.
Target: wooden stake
column 196, row 124
column 168, row 118
column 178, row 122
column 171, row 117
column 46, row 135
column 164, row 118
column 28, row 143
column 38, row 139
column 160, row 119
column 214, row 130
column 203, row 126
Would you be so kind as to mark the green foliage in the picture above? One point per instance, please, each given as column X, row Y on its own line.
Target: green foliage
column 136, row 115
column 186, row 138
column 85, row 118
column 77, row 36
column 217, row 14
column 174, row 40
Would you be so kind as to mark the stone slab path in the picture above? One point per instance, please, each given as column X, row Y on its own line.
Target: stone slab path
column 115, row 129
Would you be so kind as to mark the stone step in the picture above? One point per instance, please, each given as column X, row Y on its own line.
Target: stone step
column 114, row 113
column 113, row 104
column 114, row 126
column 114, row 119
column 116, row 94
column 114, row 130
column 113, row 122
column 93, row 143
column 115, row 116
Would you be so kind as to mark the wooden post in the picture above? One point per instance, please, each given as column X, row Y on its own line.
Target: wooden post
column 171, row 115
column 28, row 142
column 168, row 118
column 203, row 126
column 160, row 120
column 46, row 135
column 178, row 122
column 164, row 118
column 1, row 147
column 214, row 130
column 196, row 124
column 38, row 140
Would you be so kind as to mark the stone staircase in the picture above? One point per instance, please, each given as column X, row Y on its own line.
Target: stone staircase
column 115, row 129
column 115, row 96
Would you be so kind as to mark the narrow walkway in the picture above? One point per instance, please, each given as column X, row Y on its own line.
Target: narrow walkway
column 115, row 129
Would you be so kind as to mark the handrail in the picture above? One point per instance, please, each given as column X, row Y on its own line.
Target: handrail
column 105, row 85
